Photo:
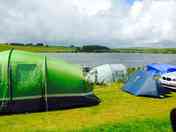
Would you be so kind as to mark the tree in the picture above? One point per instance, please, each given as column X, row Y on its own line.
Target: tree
column 39, row 44
column 94, row 48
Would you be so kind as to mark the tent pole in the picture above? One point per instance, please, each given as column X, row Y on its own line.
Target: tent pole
column 45, row 84
column 9, row 76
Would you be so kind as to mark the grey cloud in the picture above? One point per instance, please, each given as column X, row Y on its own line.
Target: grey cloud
column 52, row 21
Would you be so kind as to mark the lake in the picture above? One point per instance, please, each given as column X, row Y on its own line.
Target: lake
column 128, row 59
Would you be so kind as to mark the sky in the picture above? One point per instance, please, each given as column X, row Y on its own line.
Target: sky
column 114, row 23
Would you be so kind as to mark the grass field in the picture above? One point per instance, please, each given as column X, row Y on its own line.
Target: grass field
column 53, row 49
column 145, row 50
column 118, row 111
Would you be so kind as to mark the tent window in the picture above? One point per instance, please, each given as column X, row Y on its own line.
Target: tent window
column 25, row 71
column 26, row 77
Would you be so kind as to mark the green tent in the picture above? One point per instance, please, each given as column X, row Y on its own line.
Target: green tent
column 31, row 82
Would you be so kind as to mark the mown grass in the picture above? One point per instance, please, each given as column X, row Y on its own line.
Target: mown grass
column 118, row 111
column 147, row 125
column 53, row 49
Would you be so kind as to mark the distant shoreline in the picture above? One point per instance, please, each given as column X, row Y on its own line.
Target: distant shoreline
column 63, row 49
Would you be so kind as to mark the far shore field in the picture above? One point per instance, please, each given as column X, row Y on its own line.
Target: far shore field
column 73, row 49
column 50, row 49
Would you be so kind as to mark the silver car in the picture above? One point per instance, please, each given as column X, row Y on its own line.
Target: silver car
column 168, row 80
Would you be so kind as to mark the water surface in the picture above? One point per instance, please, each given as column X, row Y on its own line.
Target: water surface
column 128, row 59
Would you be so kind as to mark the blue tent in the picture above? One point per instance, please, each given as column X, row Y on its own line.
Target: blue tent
column 142, row 83
column 145, row 82
column 161, row 68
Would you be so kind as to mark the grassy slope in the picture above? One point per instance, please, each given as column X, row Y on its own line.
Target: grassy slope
column 37, row 48
column 119, row 111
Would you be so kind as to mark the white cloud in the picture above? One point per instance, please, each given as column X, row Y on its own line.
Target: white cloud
column 105, row 21
column 92, row 7
column 151, row 21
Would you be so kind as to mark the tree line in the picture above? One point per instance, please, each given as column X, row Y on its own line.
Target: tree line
column 27, row 44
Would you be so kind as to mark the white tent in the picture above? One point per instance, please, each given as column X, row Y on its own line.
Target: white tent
column 107, row 73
